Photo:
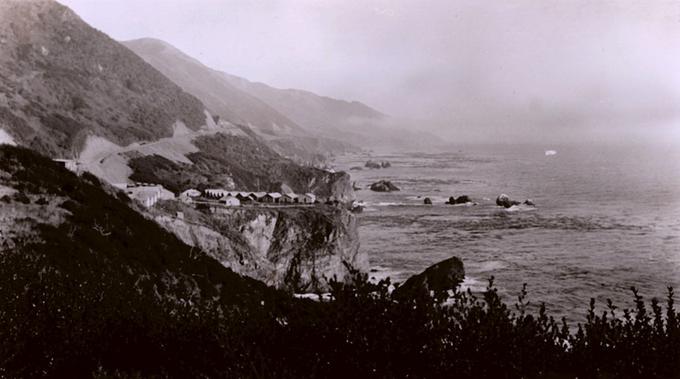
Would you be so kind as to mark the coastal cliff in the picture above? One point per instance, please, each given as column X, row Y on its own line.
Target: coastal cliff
column 298, row 249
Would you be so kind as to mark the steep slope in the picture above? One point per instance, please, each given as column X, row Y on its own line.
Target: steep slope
column 61, row 80
column 82, row 270
column 223, row 99
column 212, row 88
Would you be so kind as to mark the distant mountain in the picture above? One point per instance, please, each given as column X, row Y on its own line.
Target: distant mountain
column 310, row 110
column 61, row 80
column 318, row 123
column 211, row 86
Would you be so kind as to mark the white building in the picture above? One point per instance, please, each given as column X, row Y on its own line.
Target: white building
column 230, row 201
column 149, row 195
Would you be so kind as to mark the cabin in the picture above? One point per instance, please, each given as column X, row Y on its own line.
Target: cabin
column 309, row 198
column 244, row 197
column 272, row 197
column 230, row 201
column 258, row 196
column 289, row 198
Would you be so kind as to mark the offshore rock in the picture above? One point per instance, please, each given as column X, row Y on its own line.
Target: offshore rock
column 504, row 200
column 373, row 164
column 384, row 186
column 440, row 277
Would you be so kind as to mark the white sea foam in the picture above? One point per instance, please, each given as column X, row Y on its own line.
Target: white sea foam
column 473, row 284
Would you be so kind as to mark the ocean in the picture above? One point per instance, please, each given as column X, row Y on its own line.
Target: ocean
column 606, row 218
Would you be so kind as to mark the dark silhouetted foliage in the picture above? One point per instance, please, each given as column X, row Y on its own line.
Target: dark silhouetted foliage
column 108, row 293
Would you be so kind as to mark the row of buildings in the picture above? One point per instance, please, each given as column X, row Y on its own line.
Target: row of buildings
column 239, row 197
column 149, row 194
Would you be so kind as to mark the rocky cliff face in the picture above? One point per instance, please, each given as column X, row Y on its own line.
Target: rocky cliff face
column 293, row 248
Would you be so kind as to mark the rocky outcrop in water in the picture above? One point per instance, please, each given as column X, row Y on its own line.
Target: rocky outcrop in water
column 464, row 199
column 504, row 200
column 294, row 248
column 440, row 277
column 427, row 201
column 384, row 186
column 375, row 164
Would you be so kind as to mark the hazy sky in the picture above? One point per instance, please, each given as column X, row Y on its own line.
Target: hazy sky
column 480, row 67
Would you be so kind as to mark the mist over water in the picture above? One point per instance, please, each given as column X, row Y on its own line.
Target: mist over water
column 607, row 218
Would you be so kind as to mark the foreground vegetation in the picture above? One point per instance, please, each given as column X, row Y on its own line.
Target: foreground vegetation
column 100, row 291
column 360, row 332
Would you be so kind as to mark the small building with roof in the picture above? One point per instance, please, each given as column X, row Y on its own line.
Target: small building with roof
column 289, row 198
column 272, row 197
column 308, row 198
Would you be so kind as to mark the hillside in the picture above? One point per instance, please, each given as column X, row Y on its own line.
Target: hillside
column 212, row 88
column 61, row 80
column 82, row 270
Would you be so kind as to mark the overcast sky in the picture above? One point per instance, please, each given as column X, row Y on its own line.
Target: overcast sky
column 479, row 67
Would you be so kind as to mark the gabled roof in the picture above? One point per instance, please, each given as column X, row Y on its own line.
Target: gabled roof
column 274, row 195
column 291, row 195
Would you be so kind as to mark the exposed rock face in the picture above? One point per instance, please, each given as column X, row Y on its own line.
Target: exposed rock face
column 442, row 276
column 296, row 249
column 384, row 186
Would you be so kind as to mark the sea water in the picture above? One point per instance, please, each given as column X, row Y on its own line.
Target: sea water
column 606, row 218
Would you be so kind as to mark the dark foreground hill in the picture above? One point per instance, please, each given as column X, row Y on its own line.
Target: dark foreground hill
column 90, row 288
column 85, row 280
